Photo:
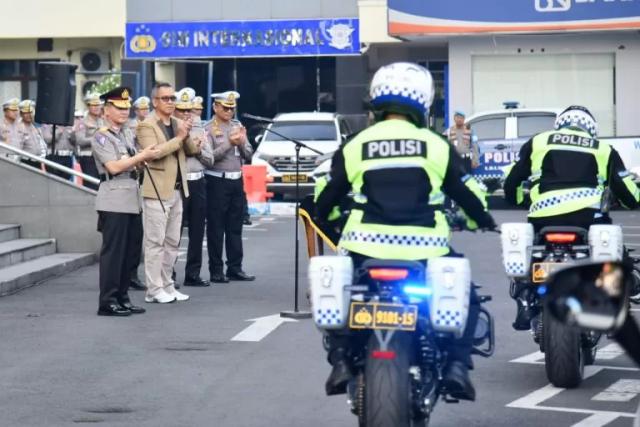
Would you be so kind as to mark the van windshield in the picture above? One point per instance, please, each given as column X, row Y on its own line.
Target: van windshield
column 305, row 131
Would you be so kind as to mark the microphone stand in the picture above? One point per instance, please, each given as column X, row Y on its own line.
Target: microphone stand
column 296, row 313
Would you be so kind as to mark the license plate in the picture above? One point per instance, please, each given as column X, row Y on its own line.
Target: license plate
column 542, row 270
column 292, row 178
column 383, row 316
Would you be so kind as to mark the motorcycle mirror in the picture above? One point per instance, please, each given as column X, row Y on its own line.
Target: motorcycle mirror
column 591, row 295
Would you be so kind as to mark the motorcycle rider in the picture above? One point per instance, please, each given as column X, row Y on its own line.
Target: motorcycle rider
column 396, row 169
column 568, row 170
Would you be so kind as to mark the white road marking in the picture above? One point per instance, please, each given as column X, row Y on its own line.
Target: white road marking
column 597, row 420
column 632, row 244
column 609, row 352
column 266, row 218
column 257, row 229
column 620, row 391
column 260, row 328
column 533, row 358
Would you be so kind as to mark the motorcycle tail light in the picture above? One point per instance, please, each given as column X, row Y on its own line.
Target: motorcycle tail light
column 388, row 274
column 384, row 355
column 561, row 237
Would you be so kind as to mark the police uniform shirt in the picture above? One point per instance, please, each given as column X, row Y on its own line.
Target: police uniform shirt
column 195, row 163
column 64, row 137
column 120, row 193
column 85, row 132
column 31, row 139
column 228, row 158
column 9, row 132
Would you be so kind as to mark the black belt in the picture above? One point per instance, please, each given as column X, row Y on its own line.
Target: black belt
column 107, row 176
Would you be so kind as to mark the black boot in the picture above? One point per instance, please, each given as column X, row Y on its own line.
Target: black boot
column 457, row 382
column 524, row 314
column 340, row 373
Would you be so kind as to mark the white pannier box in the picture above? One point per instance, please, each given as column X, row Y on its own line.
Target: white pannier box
column 606, row 242
column 328, row 276
column 517, row 239
column 450, row 281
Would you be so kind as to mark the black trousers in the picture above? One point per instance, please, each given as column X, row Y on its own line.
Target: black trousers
column 33, row 163
column 225, row 205
column 61, row 160
column 88, row 165
column 459, row 349
column 194, row 214
column 121, row 236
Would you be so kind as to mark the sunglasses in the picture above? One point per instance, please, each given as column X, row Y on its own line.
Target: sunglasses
column 226, row 108
column 167, row 98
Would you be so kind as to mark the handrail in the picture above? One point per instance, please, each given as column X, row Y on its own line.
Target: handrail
column 51, row 164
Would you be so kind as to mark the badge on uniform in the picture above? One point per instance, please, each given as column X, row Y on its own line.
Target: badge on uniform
column 101, row 138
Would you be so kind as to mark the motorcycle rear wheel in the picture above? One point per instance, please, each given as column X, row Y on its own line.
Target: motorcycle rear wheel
column 563, row 353
column 387, row 391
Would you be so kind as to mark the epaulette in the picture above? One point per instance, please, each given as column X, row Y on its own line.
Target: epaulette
column 103, row 129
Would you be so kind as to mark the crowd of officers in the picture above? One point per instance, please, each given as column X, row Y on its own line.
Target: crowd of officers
column 159, row 171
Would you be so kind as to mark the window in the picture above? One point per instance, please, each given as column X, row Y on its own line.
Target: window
column 306, row 131
column 547, row 81
column 489, row 128
column 532, row 124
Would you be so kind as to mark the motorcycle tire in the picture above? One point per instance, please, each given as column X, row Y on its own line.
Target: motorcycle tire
column 564, row 356
column 387, row 391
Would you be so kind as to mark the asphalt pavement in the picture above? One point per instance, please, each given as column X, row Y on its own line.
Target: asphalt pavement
column 204, row 362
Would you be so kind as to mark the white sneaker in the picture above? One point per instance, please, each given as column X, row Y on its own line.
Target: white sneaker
column 179, row 296
column 161, row 298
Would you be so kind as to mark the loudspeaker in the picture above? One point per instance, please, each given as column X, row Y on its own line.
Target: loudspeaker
column 56, row 99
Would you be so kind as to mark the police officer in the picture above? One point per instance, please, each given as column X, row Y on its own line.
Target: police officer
column 461, row 136
column 119, row 203
column 30, row 137
column 225, row 192
column 9, row 125
column 567, row 169
column 84, row 132
column 194, row 213
column 141, row 111
column 63, row 150
column 396, row 169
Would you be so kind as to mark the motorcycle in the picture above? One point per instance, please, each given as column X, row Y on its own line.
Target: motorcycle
column 405, row 315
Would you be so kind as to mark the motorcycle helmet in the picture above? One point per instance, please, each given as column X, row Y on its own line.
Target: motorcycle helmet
column 577, row 116
column 402, row 88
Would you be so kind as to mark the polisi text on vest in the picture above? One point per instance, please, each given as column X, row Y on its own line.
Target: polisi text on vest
column 394, row 148
column 574, row 140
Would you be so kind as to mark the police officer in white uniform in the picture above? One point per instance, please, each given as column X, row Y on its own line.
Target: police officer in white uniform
column 119, row 203
column 84, row 132
column 30, row 137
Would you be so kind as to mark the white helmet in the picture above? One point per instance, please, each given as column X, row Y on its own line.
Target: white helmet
column 579, row 117
column 404, row 88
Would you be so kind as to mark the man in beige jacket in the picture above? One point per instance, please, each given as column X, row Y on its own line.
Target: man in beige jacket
column 162, row 218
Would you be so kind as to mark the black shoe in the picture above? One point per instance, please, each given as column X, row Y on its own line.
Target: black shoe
column 338, row 378
column 113, row 310
column 457, row 382
column 137, row 285
column 219, row 278
column 523, row 317
column 240, row 276
column 196, row 282
column 134, row 309
column 247, row 220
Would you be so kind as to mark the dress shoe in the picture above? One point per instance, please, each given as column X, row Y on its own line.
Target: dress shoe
column 196, row 282
column 457, row 382
column 134, row 309
column 136, row 285
column 179, row 296
column 219, row 278
column 524, row 314
column 113, row 310
column 340, row 374
column 240, row 276
column 247, row 220
column 160, row 298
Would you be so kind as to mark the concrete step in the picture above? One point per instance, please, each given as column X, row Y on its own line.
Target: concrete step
column 20, row 250
column 26, row 274
column 9, row 232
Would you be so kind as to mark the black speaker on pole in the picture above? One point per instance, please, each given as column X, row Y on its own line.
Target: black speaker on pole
column 56, row 99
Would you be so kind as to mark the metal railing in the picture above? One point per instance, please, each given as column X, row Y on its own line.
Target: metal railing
column 53, row 165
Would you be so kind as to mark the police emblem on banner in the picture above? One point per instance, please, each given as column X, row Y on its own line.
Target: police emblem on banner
column 143, row 41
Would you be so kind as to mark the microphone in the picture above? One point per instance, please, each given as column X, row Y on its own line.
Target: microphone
column 257, row 118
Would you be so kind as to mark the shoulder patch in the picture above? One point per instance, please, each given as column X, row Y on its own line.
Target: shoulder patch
column 101, row 138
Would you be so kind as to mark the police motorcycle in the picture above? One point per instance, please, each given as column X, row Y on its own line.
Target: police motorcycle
column 405, row 314
column 595, row 296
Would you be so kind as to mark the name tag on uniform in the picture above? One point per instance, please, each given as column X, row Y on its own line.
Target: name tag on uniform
column 394, row 148
column 573, row 140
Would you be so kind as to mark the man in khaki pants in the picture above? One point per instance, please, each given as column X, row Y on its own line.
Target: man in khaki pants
column 162, row 227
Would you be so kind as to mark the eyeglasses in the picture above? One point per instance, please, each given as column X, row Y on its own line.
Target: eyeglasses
column 226, row 108
column 167, row 98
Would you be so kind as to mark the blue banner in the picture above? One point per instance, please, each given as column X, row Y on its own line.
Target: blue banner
column 311, row 37
column 508, row 16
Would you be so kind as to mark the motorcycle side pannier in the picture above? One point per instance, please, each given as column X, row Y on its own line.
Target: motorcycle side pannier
column 517, row 239
column 450, row 281
column 328, row 277
column 606, row 242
